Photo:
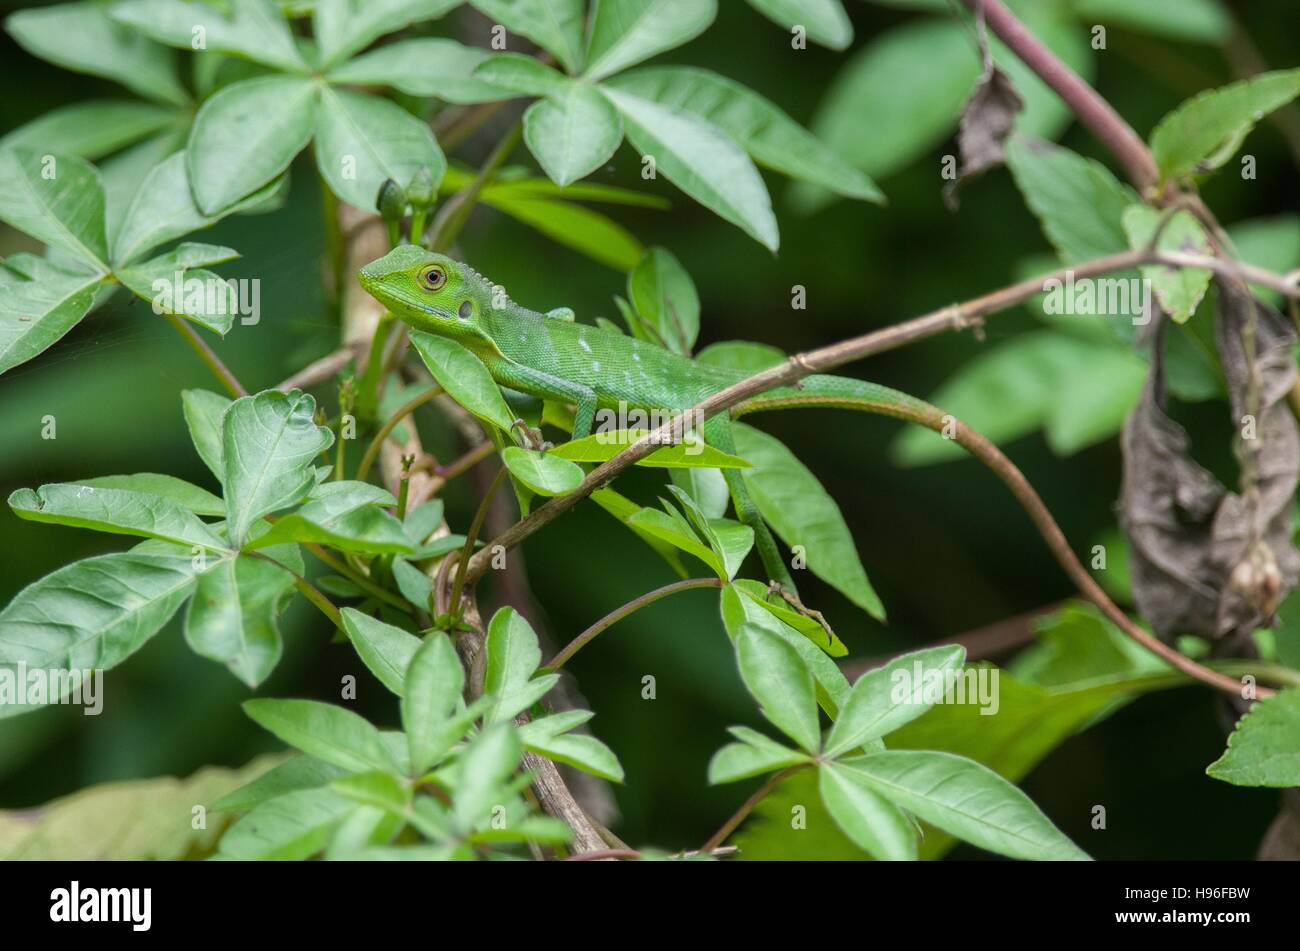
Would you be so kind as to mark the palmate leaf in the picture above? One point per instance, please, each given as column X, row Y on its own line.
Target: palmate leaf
column 754, row 755
column 82, row 37
column 203, row 410
column 189, row 496
column 517, row 74
column 554, row 25
column 770, row 137
column 602, row 446
column 701, row 161
column 385, row 649
column 93, row 613
column 825, row 20
column 345, row 515
column 56, row 199
column 625, row 32
column 269, row 442
column 868, row 818
column 233, row 616
column 177, row 283
column 362, row 141
column 573, row 132
column 964, row 798
column 588, row 232
column 91, row 129
column 481, row 770
column 426, row 66
column 342, row 27
column 38, row 305
column 119, row 511
column 325, row 731
column 252, row 29
column 247, row 134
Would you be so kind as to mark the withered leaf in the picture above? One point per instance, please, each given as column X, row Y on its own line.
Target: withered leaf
column 987, row 120
column 1189, row 536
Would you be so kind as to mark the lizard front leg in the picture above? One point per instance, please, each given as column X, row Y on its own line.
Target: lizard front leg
column 550, row 387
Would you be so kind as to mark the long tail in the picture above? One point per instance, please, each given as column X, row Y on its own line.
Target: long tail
column 842, row 392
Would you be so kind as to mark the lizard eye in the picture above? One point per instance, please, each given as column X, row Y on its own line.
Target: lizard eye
column 432, row 278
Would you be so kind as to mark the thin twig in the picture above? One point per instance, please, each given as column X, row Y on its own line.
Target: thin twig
column 319, row 371
column 613, row 617
column 208, row 356
column 746, row 808
column 406, row 409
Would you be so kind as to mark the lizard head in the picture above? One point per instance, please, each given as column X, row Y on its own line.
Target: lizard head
column 431, row 292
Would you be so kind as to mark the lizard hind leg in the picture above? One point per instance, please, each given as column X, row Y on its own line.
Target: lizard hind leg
column 717, row 432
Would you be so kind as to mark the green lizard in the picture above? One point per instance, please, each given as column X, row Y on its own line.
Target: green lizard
column 552, row 357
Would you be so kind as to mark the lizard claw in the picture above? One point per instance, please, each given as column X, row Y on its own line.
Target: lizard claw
column 530, row 435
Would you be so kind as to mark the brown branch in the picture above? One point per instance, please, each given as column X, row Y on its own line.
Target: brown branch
column 319, row 371
column 1087, row 104
column 746, row 808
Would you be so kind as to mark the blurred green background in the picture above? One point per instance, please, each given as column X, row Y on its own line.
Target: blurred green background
column 946, row 547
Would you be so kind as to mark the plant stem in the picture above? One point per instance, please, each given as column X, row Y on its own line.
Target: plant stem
column 358, row 579
column 472, row 536
column 581, row 641
column 208, row 356
column 372, row 376
column 746, row 808
column 376, row 444
column 309, row 591
column 466, row 462
column 333, row 240
column 1086, row 103
column 452, row 216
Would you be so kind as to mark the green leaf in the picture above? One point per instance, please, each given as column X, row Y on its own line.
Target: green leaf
column 886, row 697
column 432, row 689
column 427, row 66
column 251, row 29
column 625, row 32
column 554, row 25
column 483, row 767
column 81, row 37
column 1264, row 749
column 655, row 524
column 56, row 199
column 197, row 294
column 587, row 232
column 701, row 161
column 91, row 129
column 1179, row 289
column 362, row 141
column 381, row 790
column 203, row 411
column 966, row 799
column 521, row 75
column 754, row 755
column 819, row 634
column 247, row 134
column 233, row 615
column 581, row 752
column 344, row 515
column 781, row 683
column 602, row 446
column 513, row 656
column 296, row 825
column 163, row 208
column 269, row 443
column 573, row 132
column 185, row 494
column 118, row 511
column 868, row 818
column 464, row 377
column 793, row 502
column 1079, row 203
column 35, row 312
column 1080, row 391
column 544, row 473
column 739, row 610
column 664, row 296
column 623, row 509
column 325, row 731
column 292, row 774
column 771, row 137
column 1207, row 130
column 342, row 27
column 824, row 20
column 1197, row 21
column 93, row 613
column 385, row 649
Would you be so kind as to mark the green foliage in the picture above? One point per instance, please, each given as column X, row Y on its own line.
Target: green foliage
column 1264, row 750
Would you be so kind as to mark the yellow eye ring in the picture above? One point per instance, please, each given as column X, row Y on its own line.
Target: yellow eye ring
column 433, row 278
